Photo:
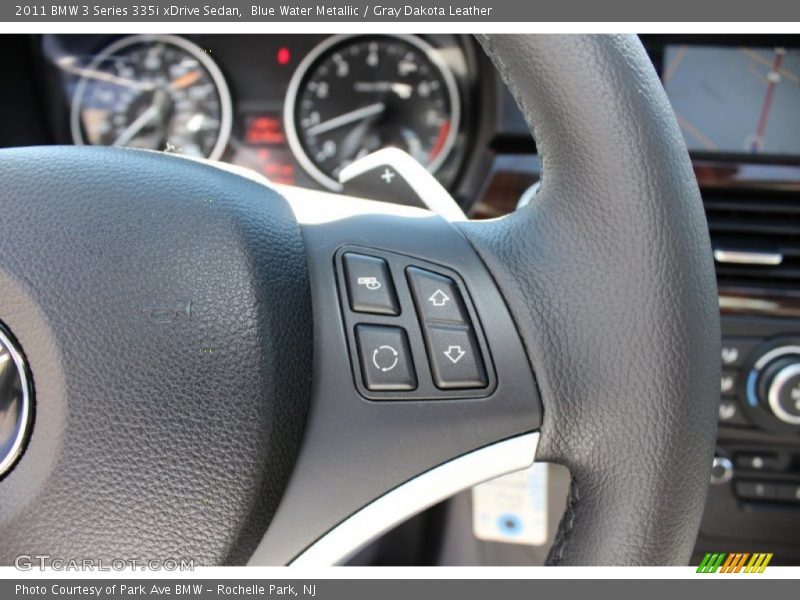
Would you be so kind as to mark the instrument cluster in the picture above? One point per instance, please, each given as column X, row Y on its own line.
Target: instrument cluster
column 298, row 109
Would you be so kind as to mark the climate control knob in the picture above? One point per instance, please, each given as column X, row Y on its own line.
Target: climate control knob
column 781, row 389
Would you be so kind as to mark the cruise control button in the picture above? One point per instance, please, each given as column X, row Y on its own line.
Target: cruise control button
column 455, row 358
column 369, row 285
column 436, row 296
column 385, row 357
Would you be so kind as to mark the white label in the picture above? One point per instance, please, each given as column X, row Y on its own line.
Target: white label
column 512, row 508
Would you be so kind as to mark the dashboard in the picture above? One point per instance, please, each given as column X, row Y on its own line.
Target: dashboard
column 300, row 108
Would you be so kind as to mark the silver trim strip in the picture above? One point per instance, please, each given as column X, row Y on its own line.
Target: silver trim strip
column 417, row 494
column 748, row 257
column 778, row 352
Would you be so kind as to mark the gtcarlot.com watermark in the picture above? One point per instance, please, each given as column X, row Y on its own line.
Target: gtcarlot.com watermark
column 29, row 562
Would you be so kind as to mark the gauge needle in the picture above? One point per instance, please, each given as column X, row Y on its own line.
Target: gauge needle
column 185, row 80
column 353, row 140
column 67, row 65
column 403, row 90
column 349, row 117
column 140, row 123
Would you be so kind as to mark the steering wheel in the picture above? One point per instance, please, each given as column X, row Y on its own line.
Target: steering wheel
column 233, row 372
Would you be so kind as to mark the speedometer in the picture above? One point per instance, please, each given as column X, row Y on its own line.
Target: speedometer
column 353, row 95
column 152, row 91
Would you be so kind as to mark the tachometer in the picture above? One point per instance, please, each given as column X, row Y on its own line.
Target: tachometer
column 152, row 91
column 353, row 95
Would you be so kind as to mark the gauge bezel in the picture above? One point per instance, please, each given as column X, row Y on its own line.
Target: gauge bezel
column 290, row 103
column 226, row 104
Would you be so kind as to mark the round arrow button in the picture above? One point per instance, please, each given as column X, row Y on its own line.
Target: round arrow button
column 385, row 357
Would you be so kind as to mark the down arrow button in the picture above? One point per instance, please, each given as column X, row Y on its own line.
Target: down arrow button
column 456, row 361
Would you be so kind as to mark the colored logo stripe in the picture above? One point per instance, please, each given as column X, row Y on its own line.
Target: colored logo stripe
column 735, row 562
column 711, row 562
column 758, row 563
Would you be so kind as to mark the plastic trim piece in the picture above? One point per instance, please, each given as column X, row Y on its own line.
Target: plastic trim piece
column 428, row 189
column 410, row 319
column 425, row 490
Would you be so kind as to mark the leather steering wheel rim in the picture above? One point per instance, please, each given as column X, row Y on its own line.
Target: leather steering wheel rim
column 195, row 371
column 611, row 282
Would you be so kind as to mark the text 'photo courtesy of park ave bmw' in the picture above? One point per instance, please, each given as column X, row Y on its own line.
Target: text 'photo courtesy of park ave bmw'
column 394, row 298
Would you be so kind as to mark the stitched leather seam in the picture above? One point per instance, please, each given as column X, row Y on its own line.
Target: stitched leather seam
column 565, row 528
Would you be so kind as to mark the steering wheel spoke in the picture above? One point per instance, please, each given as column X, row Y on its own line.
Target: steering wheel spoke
column 421, row 384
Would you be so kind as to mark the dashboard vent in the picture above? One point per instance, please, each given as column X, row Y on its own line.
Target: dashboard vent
column 756, row 237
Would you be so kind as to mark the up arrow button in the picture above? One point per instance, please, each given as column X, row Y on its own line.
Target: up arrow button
column 437, row 297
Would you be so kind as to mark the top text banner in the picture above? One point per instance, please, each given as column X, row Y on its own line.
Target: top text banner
column 458, row 11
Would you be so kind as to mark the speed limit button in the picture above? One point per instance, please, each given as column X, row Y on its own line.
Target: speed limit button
column 385, row 358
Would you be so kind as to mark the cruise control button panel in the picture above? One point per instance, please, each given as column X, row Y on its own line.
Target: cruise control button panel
column 413, row 330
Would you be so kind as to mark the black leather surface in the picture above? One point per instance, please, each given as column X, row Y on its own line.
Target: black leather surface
column 160, row 431
column 610, row 277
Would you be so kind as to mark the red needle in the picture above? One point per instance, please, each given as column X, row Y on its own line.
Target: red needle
column 762, row 119
column 441, row 138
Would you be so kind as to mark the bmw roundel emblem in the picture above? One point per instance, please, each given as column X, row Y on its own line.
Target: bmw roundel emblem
column 15, row 402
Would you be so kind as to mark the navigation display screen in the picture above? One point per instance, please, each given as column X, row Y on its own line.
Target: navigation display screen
column 735, row 100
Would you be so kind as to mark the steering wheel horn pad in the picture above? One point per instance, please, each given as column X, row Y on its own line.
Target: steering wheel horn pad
column 165, row 312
